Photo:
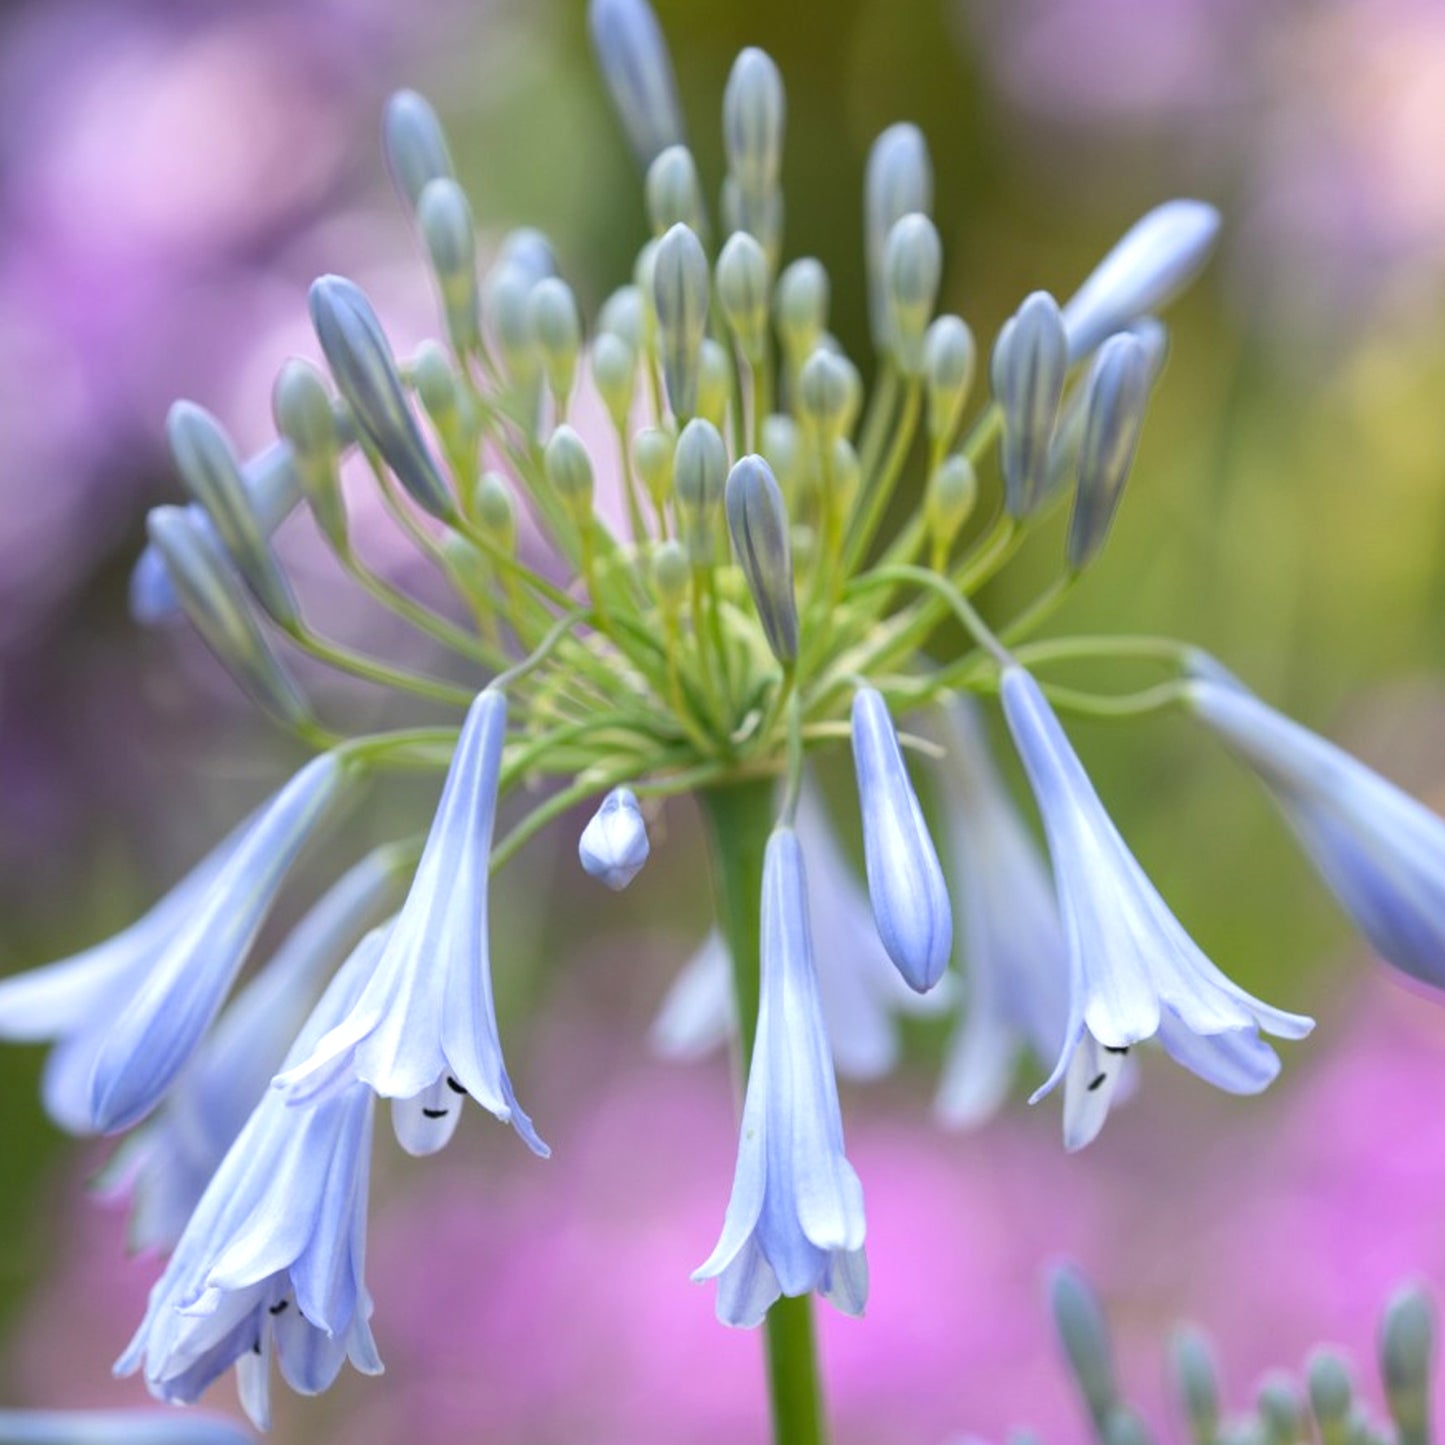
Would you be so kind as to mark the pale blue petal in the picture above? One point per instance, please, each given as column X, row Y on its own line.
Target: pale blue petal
column 746, row 1289
column 1090, row 1087
column 1239, row 1062
column 115, row 1427
column 699, row 1014
column 845, row 1281
column 426, row 1122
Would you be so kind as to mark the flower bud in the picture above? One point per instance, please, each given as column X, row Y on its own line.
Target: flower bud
column 445, row 219
column 614, row 844
column 449, row 407
column 212, row 475
column 1030, row 359
column 1084, row 1334
column 1282, row 1410
column 494, row 509
column 1155, row 259
column 529, row 250
column 948, row 361
column 743, row 279
column 1407, row 1357
column 509, row 317
column 680, row 296
column 801, row 307
column 614, row 370
column 899, row 182
column 952, row 493
column 1116, row 396
column 825, row 393
column 699, row 477
column 714, row 382
column 637, row 69
column 758, row 523
column 558, row 329
column 415, row 146
column 758, row 216
column 1331, row 1393
column 754, row 115
column 1195, row 1378
column 301, row 408
column 674, row 194
column 781, row 445
column 212, row 598
column 652, row 450
column 912, row 269
column 569, row 469
column 360, row 359
column 671, row 573
column 905, row 878
column 622, row 316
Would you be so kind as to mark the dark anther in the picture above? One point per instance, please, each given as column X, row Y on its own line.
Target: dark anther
column 256, row 1348
column 279, row 1306
column 1116, row 1049
column 455, row 1087
column 435, row 1113
column 1097, row 1082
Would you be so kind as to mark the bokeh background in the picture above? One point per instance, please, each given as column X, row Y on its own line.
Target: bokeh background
column 172, row 174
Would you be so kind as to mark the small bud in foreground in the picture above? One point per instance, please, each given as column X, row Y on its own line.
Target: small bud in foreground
column 569, row 469
column 825, row 393
column 652, row 450
column 558, row 329
column 614, row 844
column 801, row 307
column 301, row 408
column 360, row 359
column 754, row 116
column 948, row 361
column 1116, row 397
column 699, row 477
column 912, row 269
column 637, row 69
column 952, row 493
column 1030, row 359
column 1407, row 1357
column 495, row 510
column 758, row 523
column 680, row 284
column 1196, row 1380
column 674, row 194
column 414, row 144
column 671, row 573
column 743, row 279
column 905, row 878
column 1084, row 1334
column 623, row 316
column 899, row 181
column 614, row 370
column 445, row 219
column 714, row 382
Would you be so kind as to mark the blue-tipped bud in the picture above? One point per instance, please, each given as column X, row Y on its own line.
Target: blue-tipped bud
column 680, row 284
column 614, row 845
column 952, row 493
column 1030, row 359
column 674, row 193
column 509, row 317
column 1197, row 1381
column 905, row 878
column 899, row 182
column 415, row 146
column 301, row 408
column 637, row 69
column 1155, row 259
column 949, row 355
column 1083, row 1333
column 623, row 315
column 801, row 307
column 755, row 113
column 912, row 270
column 1331, row 1392
column 614, row 370
column 758, row 523
column 529, row 250
column 212, row 475
column 1116, row 398
column 211, row 595
column 445, row 218
column 825, row 393
column 652, row 451
column 569, row 469
column 1407, row 1358
column 743, row 281
column 558, row 328
column 360, row 359
column 699, row 478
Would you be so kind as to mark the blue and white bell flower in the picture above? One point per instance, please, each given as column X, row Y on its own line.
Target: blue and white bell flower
column 272, row 1259
column 1381, row 852
column 1134, row 973
column 165, row 1165
column 424, row 1029
column 614, row 844
column 795, row 1220
column 905, row 878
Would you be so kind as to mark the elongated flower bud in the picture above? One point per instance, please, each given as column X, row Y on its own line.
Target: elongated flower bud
column 1115, row 401
column 754, row 116
column 361, row 361
column 637, row 69
column 912, row 269
column 699, row 477
column 825, row 393
column 952, row 493
column 899, row 182
column 743, row 280
column 449, row 406
column 674, row 193
column 781, row 447
column 614, row 845
column 1084, row 1334
column 680, row 295
column 714, row 382
column 905, row 878
column 203, row 456
column 758, row 522
column 1331, row 1394
column 1154, row 260
column 414, row 144
column 301, row 407
column 671, row 572
column 614, row 370
column 558, row 329
column 759, row 216
column 1407, row 1357
column 509, row 318
column 211, row 595
column 1197, row 1382
column 445, row 218
column 623, row 316
column 495, row 509
column 652, row 452
column 1030, row 359
column 801, row 307
column 1282, row 1410
column 948, row 361
column 569, row 469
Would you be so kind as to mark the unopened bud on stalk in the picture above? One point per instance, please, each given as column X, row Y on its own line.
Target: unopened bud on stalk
column 801, row 307
column 211, row 595
column 1030, row 359
column 743, row 280
column 614, row 370
column 1084, row 1334
column 558, row 330
column 671, row 573
column 680, row 283
column 714, row 382
column 780, row 446
column 529, row 250
column 899, row 182
column 445, row 219
column 1281, row 1409
column 360, row 359
column 509, row 318
column 758, row 523
column 1407, row 1356
column 614, row 844
column 415, row 146
column 674, row 194
column 952, row 493
column 450, row 407
column 622, row 316
column 652, row 450
column 212, row 475
column 569, row 469
column 699, row 476
column 1197, row 1381
column 494, row 509
column 637, row 70
column 912, row 270
column 754, row 117
column 825, row 393
column 1116, row 398
column 1331, row 1393
column 301, row 408
column 948, row 360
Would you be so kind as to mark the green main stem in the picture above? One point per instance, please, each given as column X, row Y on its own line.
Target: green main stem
column 740, row 817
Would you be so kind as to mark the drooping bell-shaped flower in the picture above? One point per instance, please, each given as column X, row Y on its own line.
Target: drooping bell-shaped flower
column 424, row 1029
column 1134, row 973
column 614, row 845
column 1381, row 852
column 905, row 878
column 271, row 1261
column 795, row 1220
